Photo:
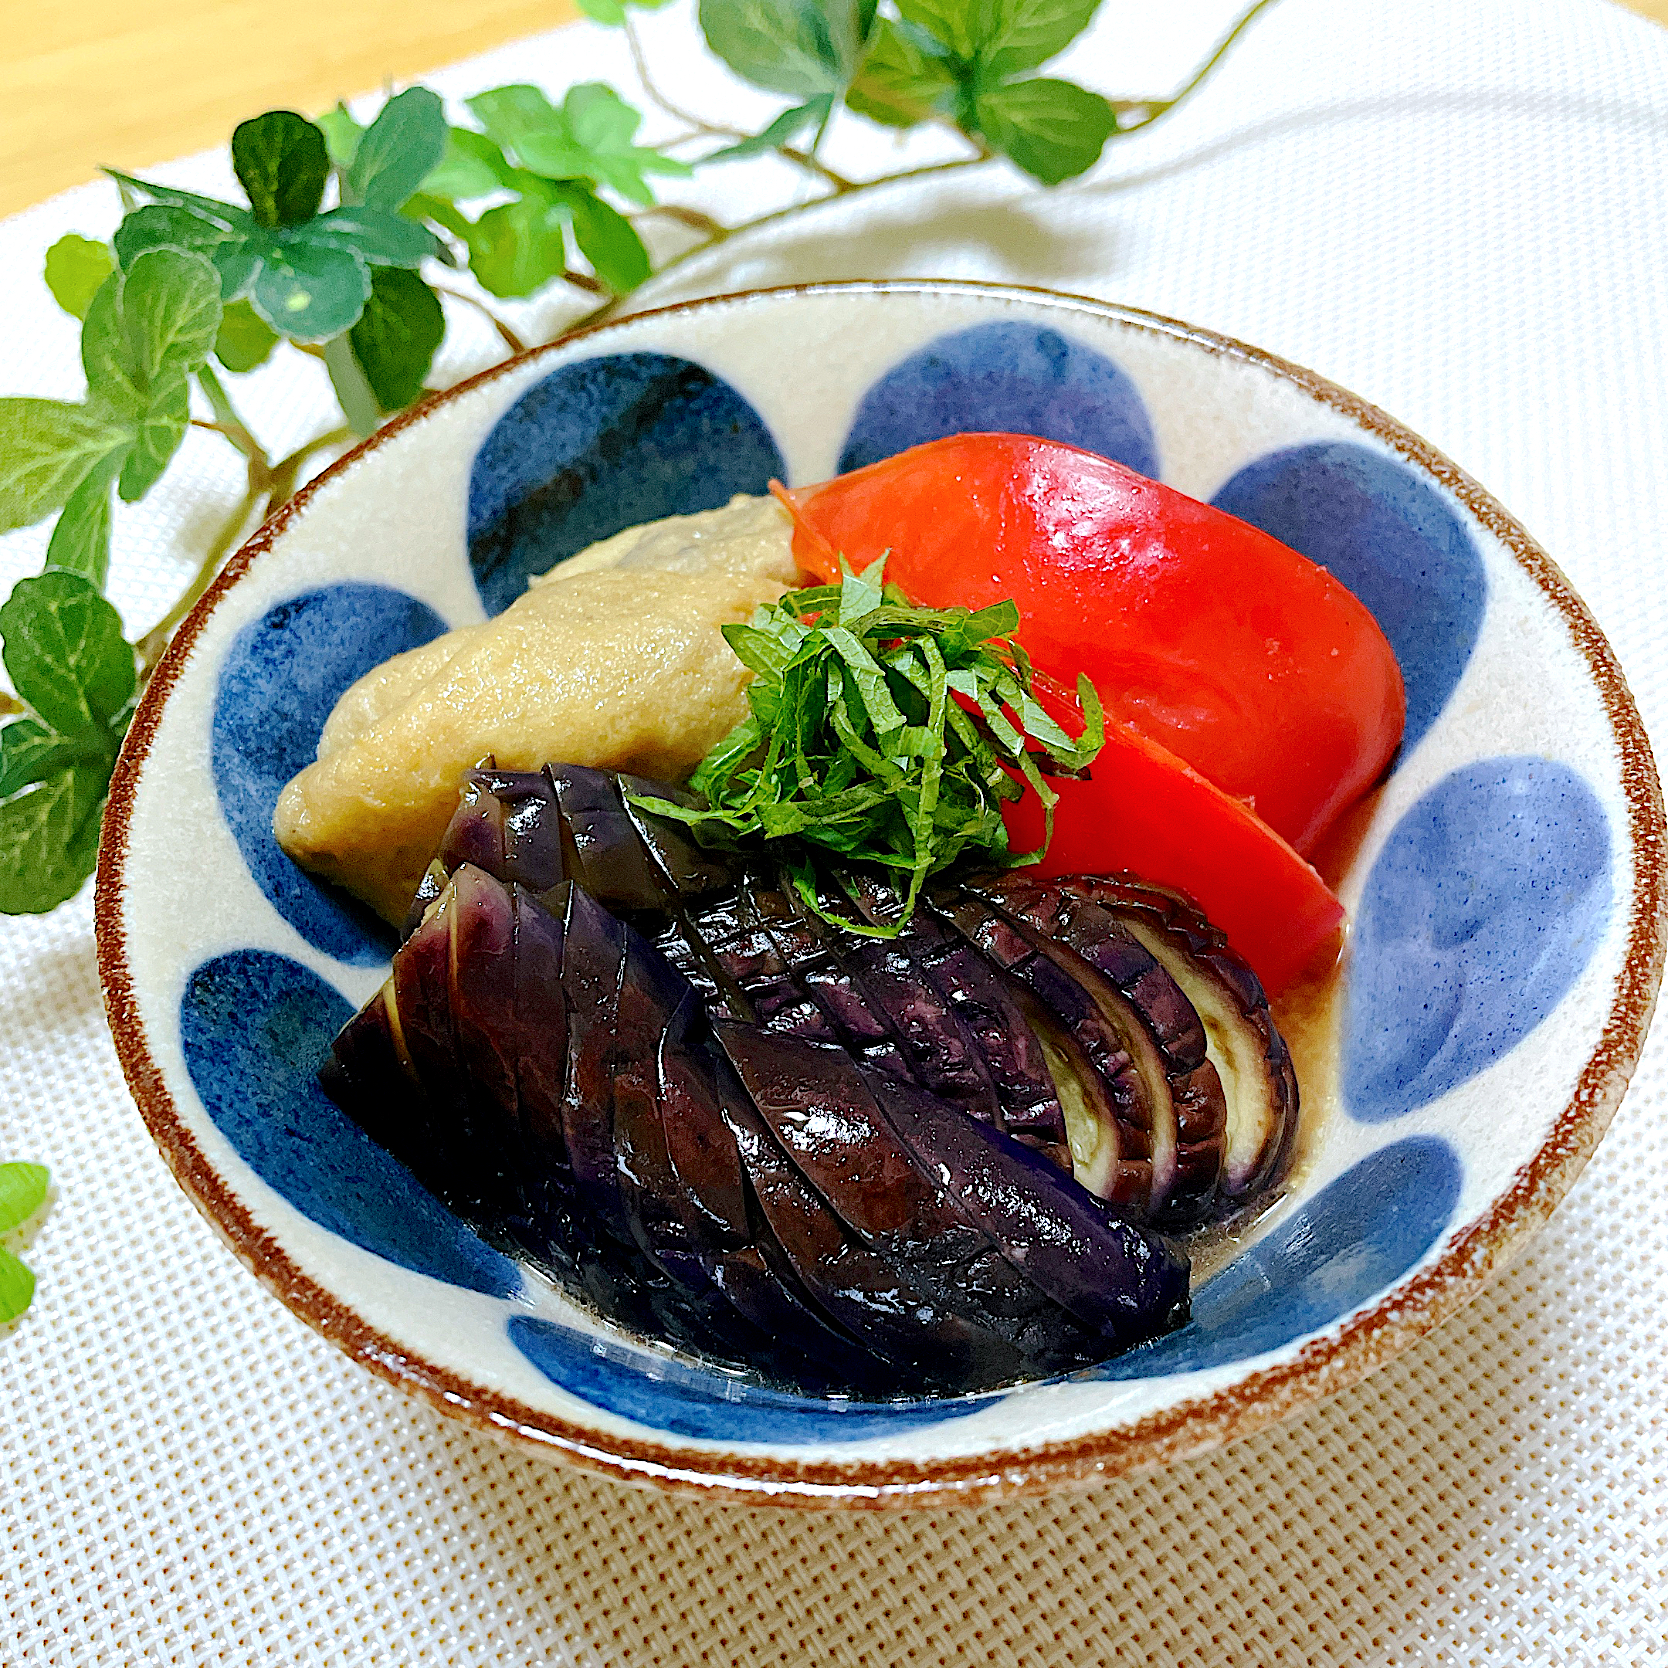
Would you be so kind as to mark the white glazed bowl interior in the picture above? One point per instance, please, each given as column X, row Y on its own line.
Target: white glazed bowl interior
column 1507, row 910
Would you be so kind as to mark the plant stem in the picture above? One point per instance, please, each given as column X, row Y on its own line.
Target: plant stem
column 609, row 307
column 714, row 229
column 280, row 486
column 227, row 421
column 640, row 63
column 155, row 640
column 506, row 335
column 353, row 391
column 821, row 169
column 1155, row 108
column 703, row 129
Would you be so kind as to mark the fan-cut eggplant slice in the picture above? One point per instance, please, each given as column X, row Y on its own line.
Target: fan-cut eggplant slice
column 1126, row 1282
column 864, row 1295
column 1161, row 1027
column 1072, row 1028
column 1244, row 1044
column 834, row 1124
column 989, row 1003
column 942, row 1052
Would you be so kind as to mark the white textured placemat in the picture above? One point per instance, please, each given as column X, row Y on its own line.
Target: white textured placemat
column 1460, row 211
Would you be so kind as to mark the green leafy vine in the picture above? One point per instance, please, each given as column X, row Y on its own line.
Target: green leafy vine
column 342, row 249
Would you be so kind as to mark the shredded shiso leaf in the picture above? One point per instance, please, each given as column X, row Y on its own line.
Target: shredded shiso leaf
column 884, row 733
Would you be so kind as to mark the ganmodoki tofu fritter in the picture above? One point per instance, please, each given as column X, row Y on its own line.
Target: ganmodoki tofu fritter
column 615, row 658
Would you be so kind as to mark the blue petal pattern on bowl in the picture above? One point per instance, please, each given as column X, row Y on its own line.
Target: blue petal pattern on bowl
column 282, row 676
column 1481, row 911
column 1006, row 378
column 1392, row 539
column 255, row 1027
column 1354, row 1239
column 601, row 445
column 671, row 1395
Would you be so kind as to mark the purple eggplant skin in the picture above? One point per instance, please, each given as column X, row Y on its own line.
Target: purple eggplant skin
column 672, row 1234
column 1151, row 1003
column 691, row 870
column 865, row 1032
column 601, row 846
column 943, row 1055
column 470, row 1135
column 989, row 1008
column 727, row 1229
column 593, row 970
column 835, row 1127
column 1058, row 1003
column 1125, row 1282
column 506, row 825
column 369, row 1076
column 738, row 945
column 1257, row 1076
column 1096, row 950
column 868, row 1294
column 621, row 994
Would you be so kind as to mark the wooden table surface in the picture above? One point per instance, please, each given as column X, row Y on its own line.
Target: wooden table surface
column 109, row 81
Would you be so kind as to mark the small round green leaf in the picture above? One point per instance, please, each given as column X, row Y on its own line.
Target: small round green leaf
column 609, row 242
column 17, row 1287
column 471, row 166
column 49, row 839
column 157, row 434
column 1027, row 33
column 341, row 134
column 80, row 541
column 23, row 1189
column 29, row 752
column 75, row 267
column 244, row 339
column 282, row 162
column 396, row 336
column 517, row 247
column 787, row 46
column 170, row 310
column 164, row 226
column 380, row 236
column 398, row 150
column 1052, row 129
column 900, row 83
column 65, row 653
column 310, row 291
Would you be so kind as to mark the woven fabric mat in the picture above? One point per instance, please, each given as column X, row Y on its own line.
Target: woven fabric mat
column 1462, row 213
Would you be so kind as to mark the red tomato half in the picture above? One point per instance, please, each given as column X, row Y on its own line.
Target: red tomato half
column 1144, row 810
column 1204, row 634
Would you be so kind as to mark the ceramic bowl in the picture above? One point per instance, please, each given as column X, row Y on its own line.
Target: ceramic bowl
column 1506, row 895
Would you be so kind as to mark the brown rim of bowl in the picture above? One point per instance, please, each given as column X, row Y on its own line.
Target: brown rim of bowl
column 1366, row 1340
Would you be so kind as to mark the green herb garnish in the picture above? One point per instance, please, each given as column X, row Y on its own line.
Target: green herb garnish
column 22, row 1193
column 884, row 733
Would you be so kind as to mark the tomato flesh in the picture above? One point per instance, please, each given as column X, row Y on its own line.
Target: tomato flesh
column 1144, row 810
column 1202, row 633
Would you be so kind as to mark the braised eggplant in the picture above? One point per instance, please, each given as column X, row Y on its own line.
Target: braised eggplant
column 872, row 1158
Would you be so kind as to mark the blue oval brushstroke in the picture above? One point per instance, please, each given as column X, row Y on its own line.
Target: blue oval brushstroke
column 1393, row 539
column 685, row 1400
column 1353, row 1240
column 282, row 676
column 255, row 1028
column 1006, row 378
column 601, row 445
column 1480, row 912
